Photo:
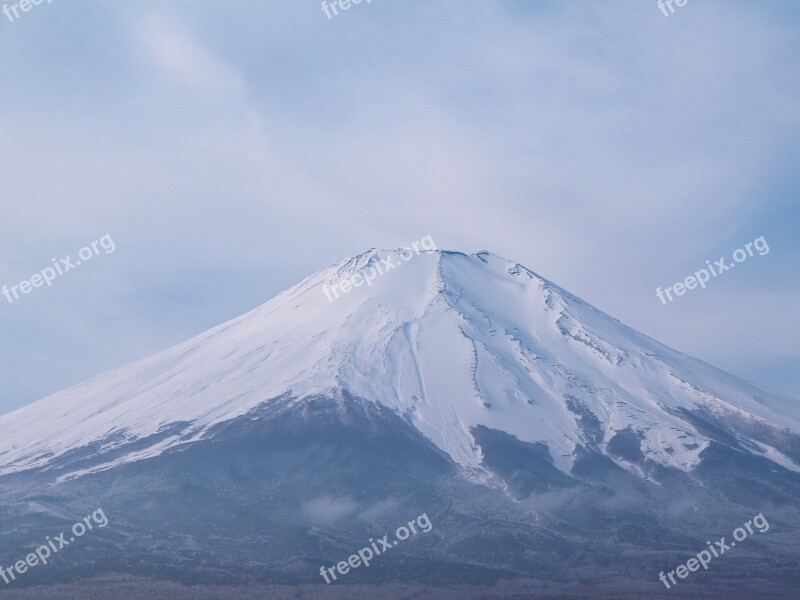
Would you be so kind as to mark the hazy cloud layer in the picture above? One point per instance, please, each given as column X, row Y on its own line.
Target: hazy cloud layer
column 232, row 149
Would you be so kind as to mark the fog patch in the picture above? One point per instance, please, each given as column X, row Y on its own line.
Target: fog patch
column 325, row 509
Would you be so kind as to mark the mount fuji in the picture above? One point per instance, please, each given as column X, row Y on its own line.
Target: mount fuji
column 544, row 438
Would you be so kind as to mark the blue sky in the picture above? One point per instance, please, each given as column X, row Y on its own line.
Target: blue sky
column 230, row 149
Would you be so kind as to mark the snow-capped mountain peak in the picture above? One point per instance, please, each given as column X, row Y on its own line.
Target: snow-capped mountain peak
column 447, row 340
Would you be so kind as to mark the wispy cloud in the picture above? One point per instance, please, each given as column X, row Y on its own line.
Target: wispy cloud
column 603, row 145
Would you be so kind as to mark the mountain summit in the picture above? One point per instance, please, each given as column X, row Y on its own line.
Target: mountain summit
column 450, row 342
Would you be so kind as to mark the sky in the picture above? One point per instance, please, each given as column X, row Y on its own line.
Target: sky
column 231, row 149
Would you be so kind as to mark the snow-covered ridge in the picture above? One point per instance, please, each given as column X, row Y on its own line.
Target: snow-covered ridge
column 450, row 341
